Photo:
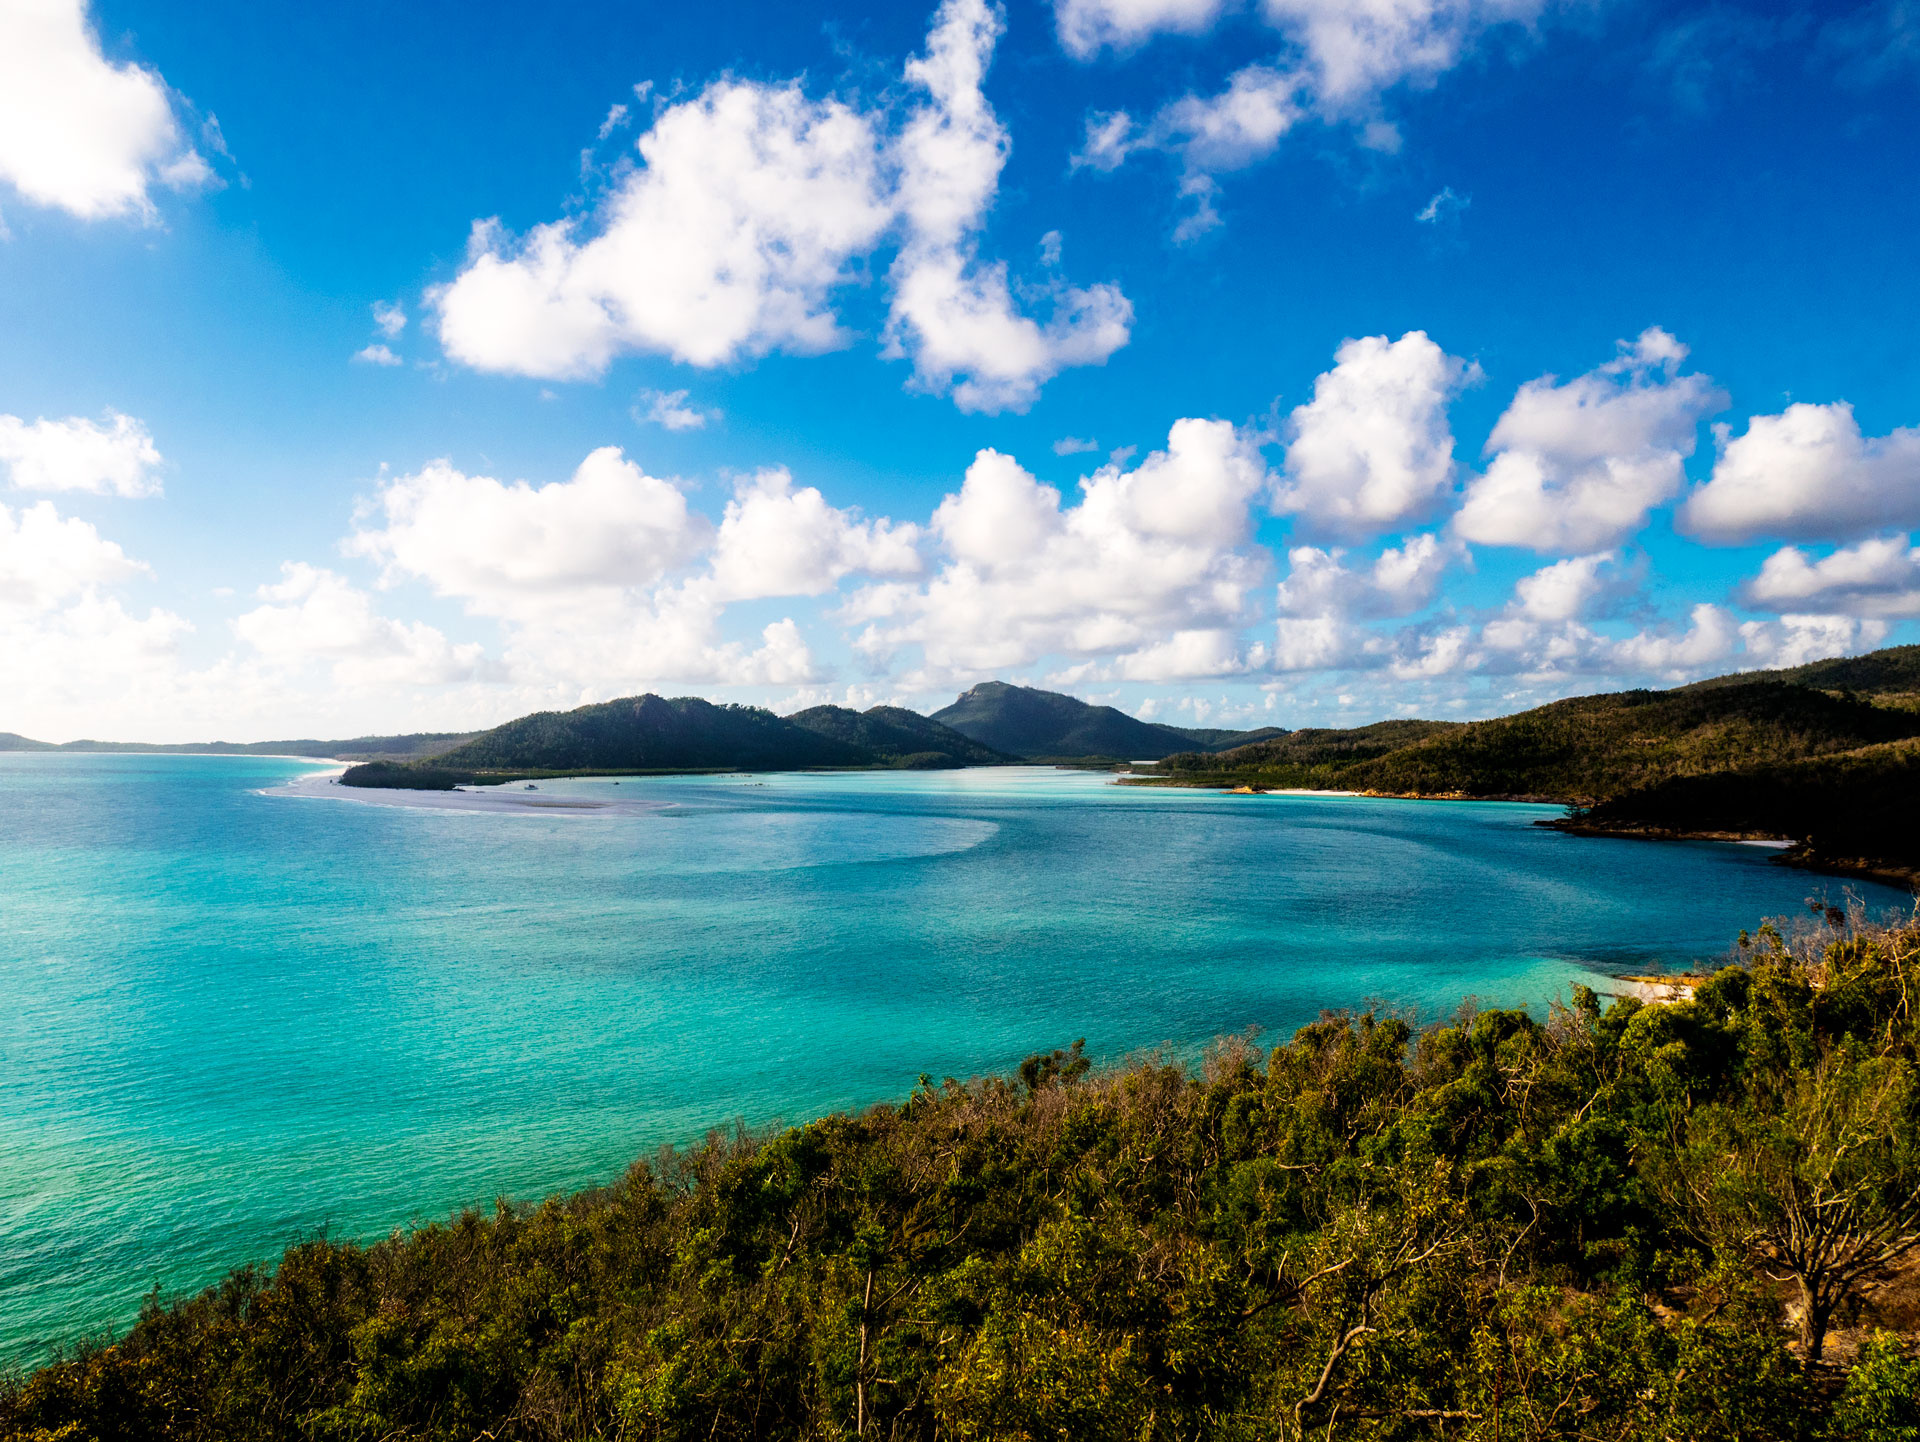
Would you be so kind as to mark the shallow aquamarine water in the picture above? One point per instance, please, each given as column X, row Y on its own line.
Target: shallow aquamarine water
column 230, row 1018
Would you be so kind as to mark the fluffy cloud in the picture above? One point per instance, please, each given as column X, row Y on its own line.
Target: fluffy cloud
column 1371, row 451
column 71, row 645
column 1809, row 474
column 725, row 243
column 953, row 314
column 1794, row 640
column 1707, row 643
column 1565, row 591
column 315, row 614
column 1146, row 554
column 46, row 559
column 751, row 208
column 518, row 550
column 605, row 582
column 1577, row 466
column 1322, row 600
column 114, row 459
column 1088, row 26
column 776, row 541
column 376, row 355
column 671, row 410
column 1875, row 578
column 78, row 132
column 1339, row 59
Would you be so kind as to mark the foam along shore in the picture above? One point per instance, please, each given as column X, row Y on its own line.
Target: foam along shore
column 325, row 786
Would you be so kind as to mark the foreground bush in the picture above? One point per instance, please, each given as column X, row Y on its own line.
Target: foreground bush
column 1596, row 1227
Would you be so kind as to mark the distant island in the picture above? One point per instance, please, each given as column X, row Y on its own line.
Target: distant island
column 1825, row 756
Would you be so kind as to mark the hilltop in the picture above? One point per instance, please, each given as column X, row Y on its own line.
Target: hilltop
column 654, row 734
column 1761, row 755
column 1047, row 726
column 900, row 737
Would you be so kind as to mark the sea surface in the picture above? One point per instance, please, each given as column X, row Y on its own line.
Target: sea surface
column 236, row 1012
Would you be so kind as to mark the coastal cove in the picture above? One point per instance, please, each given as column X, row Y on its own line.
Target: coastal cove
column 234, row 1013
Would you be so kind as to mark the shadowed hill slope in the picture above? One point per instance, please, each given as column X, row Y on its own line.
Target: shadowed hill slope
column 893, row 734
column 1894, row 671
column 651, row 733
column 1581, row 750
column 1046, row 726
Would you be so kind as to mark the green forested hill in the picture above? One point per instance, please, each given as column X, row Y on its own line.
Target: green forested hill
column 1857, row 807
column 1594, row 747
column 1581, row 750
column 1022, row 721
column 1893, row 671
column 1047, row 726
column 1648, row 1223
column 897, row 736
column 650, row 733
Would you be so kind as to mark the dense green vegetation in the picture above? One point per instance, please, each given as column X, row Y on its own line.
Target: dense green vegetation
column 1893, row 672
column 893, row 735
column 1046, row 726
column 1581, row 750
column 652, row 734
column 1852, row 810
column 1689, row 1221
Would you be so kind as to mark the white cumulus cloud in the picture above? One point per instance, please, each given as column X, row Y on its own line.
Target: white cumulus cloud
column 1880, row 577
column 1145, row 554
column 77, row 132
column 1807, row 474
column 1086, row 27
column 725, row 243
column 515, row 549
column 316, row 614
column 47, row 559
column 1323, row 601
column 952, row 313
column 1578, row 465
column 114, row 458
column 1372, row 452
column 776, row 541
column 754, row 204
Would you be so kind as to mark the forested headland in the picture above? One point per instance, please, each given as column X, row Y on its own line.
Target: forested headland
column 1826, row 756
column 1697, row 1220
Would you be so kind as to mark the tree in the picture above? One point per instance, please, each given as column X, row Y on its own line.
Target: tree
column 1815, row 1179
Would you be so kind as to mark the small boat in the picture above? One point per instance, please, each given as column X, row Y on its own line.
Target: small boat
column 532, row 787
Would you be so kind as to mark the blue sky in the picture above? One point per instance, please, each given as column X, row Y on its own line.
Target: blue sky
column 369, row 368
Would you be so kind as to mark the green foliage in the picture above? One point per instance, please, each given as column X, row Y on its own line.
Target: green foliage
column 1882, row 1400
column 643, row 733
column 895, row 736
column 1582, row 750
column 1046, row 726
column 1497, row 1228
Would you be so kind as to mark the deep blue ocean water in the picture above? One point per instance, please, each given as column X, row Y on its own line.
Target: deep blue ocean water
column 231, row 1018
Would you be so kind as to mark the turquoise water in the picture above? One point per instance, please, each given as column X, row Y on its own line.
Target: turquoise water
column 230, row 1018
